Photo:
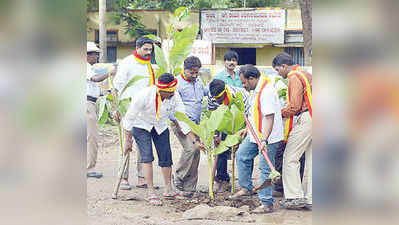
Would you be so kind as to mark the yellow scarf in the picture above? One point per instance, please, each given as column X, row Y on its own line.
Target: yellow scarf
column 264, row 80
column 147, row 61
column 227, row 98
column 308, row 99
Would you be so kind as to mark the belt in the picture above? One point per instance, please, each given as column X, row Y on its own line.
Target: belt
column 91, row 98
column 302, row 112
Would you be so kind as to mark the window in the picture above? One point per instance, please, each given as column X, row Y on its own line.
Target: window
column 111, row 54
column 297, row 55
column 112, row 36
column 246, row 55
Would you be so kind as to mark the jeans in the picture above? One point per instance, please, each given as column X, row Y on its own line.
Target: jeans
column 245, row 161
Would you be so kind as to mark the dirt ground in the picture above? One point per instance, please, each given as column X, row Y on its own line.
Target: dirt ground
column 131, row 207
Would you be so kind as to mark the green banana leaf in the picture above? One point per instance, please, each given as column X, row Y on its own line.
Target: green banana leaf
column 101, row 101
column 195, row 128
column 161, row 60
column 238, row 119
column 230, row 141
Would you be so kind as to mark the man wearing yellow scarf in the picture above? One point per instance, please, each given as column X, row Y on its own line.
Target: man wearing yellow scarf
column 298, row 136
column 147, row 121
column 264, row 115
column 136, row 64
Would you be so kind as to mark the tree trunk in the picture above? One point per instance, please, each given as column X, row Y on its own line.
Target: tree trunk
column 306, row 13
column 103, row 30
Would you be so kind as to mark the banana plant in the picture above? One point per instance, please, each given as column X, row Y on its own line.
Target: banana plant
column 228, row 119
column 179, row 42
column 111, row 102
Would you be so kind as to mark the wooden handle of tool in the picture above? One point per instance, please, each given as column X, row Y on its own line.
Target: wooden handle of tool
column 120, row 175
column 264, row 151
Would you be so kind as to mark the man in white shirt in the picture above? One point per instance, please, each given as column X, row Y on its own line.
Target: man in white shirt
column 147, row 119
column 93, row 92
column 136, row 64
column 264, row 115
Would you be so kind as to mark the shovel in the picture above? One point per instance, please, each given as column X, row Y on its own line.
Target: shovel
column 120, row 175
column 274, row 175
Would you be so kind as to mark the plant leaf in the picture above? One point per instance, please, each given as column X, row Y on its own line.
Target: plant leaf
column 154, row 38
column 101, row 101
column 194, row 127
column 217, row 117
column 124, row 105
column 181, row 13
column 238, row 118
column 161, row 60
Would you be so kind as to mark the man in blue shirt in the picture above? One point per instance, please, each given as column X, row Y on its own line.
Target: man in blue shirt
column 228, row 75
column 192, row 92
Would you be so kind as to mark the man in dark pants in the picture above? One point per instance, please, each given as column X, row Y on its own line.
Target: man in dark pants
column 278, row 187
column 220, row 93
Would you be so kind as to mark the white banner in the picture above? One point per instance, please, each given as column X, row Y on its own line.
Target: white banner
column 203, row 50
column 255, row 26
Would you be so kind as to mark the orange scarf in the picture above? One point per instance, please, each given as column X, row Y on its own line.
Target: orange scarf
column 170, row 87
column 308, row 99
column 227, row 97
column 257, row 108
column 147, row 61
column 185, row 78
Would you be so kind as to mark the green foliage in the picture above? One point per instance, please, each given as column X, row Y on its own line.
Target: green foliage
column 133, row 27
column 182, row 41
column 282, row 93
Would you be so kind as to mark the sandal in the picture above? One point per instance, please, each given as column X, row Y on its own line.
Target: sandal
column 176, row 196
column 240, row 194
column 296, row 203
column 263, row 209
column 154, row 200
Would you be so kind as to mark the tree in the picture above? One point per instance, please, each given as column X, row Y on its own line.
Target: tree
column 133, row 27
column 306, row 13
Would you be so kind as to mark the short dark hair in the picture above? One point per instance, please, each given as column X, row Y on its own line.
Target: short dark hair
column 166, row 78
column 250, row 71
column 191, row 62
column 142, row 41
column 282, row 58
column 216, row 87
column 243, row 69
column 230, row 54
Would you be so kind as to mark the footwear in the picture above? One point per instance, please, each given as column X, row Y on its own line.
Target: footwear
column 222, row 186
column 263, row 209
column 296, row 203
column 94, row 175
column 177, row 196
column 145, row 186
column 308, row 207
column 240, row 194
column 125, row 186
column 154, row 200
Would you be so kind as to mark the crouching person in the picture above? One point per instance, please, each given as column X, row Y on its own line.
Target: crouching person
column 146, row 120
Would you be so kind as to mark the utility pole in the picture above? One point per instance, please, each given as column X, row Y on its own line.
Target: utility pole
column 245, row 3
column 103, row 30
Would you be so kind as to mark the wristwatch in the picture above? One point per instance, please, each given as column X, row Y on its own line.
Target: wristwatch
column 265, row 140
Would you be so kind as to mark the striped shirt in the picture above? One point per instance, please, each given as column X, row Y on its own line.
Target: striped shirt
column 213, row 105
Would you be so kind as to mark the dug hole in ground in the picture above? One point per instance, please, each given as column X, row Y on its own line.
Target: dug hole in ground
column 132, row 208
